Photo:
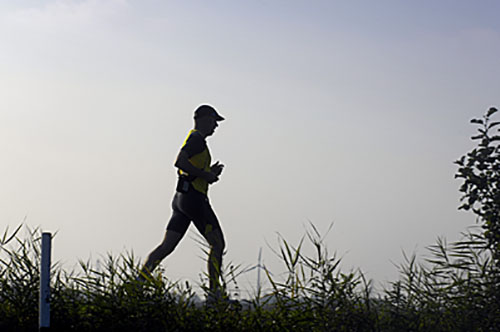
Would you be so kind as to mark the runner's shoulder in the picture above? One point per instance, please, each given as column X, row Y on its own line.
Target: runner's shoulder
column 195, row 143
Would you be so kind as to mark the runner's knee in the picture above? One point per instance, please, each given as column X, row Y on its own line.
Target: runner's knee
column 169, row 243
column 217, row 244
column 165, row 250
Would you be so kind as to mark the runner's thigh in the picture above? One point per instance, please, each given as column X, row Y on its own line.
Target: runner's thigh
column 209, row 226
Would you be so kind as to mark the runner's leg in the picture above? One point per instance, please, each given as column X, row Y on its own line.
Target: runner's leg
column 197, row 208
column 208, row 225
column 215, row 239
column 176, row 228
column 165, row 248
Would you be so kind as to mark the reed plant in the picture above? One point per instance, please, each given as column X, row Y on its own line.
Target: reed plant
column 453, row 289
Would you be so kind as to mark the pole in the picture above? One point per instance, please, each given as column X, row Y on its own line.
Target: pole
column 258, row 271
column 44, row 313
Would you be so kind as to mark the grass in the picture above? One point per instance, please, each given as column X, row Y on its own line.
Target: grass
column 454, row 289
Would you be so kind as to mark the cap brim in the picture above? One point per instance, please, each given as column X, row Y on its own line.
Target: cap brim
column 219, row 118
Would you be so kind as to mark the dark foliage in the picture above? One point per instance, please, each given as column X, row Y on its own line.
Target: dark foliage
column 480, row 171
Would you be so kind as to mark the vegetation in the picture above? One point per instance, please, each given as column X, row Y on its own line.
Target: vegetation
column 455, row 289
column 480, row 170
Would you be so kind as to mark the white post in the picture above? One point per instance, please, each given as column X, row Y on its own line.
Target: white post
column 44, row 314
column 258, row 272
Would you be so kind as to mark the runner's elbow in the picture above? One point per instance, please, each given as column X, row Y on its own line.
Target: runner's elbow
column 181, row 160
column 177, row 164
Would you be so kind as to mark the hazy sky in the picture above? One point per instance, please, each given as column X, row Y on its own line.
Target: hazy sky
column 349, row 112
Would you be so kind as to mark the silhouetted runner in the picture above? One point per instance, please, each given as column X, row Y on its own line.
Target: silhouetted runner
column 191, row 202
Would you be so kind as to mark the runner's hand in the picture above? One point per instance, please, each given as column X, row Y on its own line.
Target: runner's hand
column 210, row 177
column 217, row 168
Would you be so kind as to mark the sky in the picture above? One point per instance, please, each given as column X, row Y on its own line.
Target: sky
column 343, row 112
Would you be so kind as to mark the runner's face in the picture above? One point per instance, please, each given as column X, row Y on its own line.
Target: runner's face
column 208, row 125
column 212, row 125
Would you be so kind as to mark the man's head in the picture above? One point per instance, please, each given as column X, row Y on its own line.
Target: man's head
column 205, row 119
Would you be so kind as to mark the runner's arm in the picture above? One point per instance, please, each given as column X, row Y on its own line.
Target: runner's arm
column 185, row 165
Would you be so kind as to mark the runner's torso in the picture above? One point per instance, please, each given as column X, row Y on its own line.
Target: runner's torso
column 199, row 155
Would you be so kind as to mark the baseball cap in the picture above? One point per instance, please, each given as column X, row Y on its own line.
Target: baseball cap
column 207, row 110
